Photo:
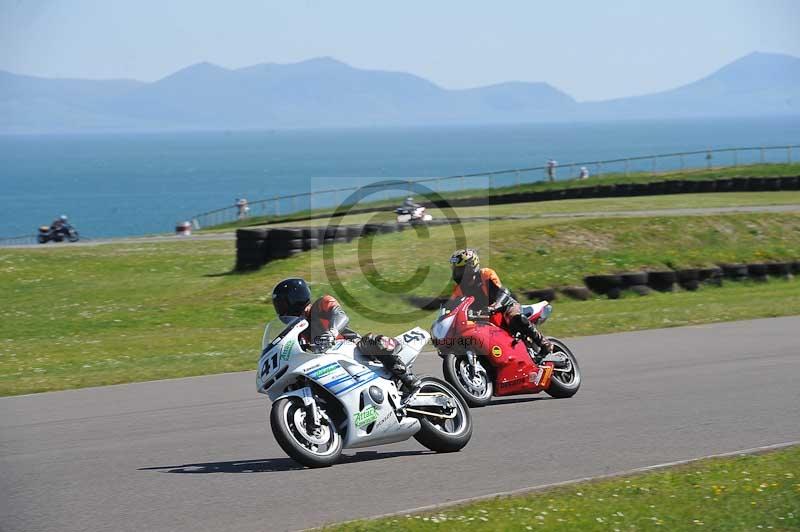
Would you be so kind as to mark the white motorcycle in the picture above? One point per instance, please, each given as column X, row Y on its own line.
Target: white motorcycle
column 325, row 402
column 415, row 215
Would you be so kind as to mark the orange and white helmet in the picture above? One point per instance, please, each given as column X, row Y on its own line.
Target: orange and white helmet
column 464, row 260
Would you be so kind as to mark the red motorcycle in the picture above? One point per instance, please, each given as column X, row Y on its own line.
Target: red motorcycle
column 482, row 359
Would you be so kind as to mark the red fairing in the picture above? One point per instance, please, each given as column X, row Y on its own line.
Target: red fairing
column 515, row 370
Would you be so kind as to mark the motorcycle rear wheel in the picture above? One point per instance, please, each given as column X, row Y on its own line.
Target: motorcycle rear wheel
column 564, row 384
column 476, row 391
column 446, row 435
column 287, row 420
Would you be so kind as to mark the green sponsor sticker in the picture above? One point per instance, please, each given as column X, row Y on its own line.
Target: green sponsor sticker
column 326, row 370
column 366, row 416
column 287, row 350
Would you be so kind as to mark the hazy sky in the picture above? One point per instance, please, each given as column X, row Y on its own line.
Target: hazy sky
column 592, row 49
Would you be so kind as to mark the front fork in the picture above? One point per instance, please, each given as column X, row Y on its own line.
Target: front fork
column 312, row 410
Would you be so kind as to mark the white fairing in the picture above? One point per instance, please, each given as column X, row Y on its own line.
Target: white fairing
column 348, row 376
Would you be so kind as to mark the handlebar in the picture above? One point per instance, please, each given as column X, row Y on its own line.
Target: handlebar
column 479, row 315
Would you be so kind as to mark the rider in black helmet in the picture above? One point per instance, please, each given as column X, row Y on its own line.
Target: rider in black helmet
column 326, row 322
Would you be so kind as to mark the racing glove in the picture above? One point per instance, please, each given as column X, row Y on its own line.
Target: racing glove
column 326, row 340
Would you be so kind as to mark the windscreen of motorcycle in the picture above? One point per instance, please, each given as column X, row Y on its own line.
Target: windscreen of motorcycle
column 441, row 326
column 277, row 329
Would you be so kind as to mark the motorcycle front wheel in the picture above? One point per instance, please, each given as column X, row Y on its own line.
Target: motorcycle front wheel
column 311, row 447
column 565, row 381
column 444, row 434
column 73, row 236
column 474, row 385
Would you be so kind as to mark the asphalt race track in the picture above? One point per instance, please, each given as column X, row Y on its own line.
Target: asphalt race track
column 196, row 454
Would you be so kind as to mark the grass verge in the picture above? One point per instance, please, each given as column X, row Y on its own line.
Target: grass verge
column 753, row 492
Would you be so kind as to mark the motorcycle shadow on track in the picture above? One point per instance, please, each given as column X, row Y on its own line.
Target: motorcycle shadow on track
column 272, row 465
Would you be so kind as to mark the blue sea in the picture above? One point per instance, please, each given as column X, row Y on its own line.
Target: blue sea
column 133, row 184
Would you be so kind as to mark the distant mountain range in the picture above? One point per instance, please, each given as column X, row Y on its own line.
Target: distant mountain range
column 324, row 92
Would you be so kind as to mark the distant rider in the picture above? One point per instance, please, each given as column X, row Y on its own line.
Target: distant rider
column 60, row 224
column 410, row 204
column 484, row 285
column 327, row 320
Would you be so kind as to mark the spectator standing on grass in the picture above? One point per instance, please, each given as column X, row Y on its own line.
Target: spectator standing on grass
column 584, row 173
column 551, row 169
column 241, row 204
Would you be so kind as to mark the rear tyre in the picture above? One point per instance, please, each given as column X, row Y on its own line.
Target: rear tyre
column 444, row 435
column 476, row 389
column 319, row 448
column 566, row 383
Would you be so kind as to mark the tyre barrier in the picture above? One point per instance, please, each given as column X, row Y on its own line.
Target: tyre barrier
column 663, row 281
column 603, row 284
column 734, row 272
column 580, row 293
column 689, row 278
column 780, row 269
column 630, row 279
column 612, row 285
column 256, row 247
column 541, row 294
column 757, row 272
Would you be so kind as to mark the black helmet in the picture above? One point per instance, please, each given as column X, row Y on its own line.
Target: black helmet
column 291, row 297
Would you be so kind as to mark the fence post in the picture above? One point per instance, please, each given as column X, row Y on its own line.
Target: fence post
column 682, row 165
column 599, row 169
column 708, row 159
column 789, row 154
column 491, row 182
column 735, row 158
column 627, row 162
column 517, row 174
column 762, row 155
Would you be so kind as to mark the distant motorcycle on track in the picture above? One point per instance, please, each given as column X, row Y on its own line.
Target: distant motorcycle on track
column 412, row 215
column 323, row 402
column 57, row 234
column 481, row 359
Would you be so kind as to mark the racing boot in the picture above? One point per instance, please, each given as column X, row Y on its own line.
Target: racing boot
column 531, row 335
column 407, row 379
